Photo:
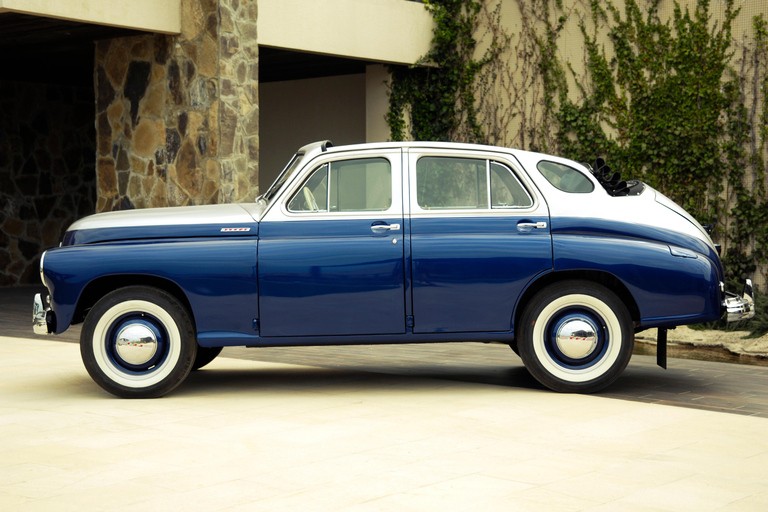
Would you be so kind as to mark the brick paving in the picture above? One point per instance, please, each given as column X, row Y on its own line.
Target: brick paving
column 716, row 386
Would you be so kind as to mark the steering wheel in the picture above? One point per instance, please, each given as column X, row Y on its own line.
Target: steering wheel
column 309, row 198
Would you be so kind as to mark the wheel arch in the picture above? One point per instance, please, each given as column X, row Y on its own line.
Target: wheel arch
column 605, row 279
column 101, row 286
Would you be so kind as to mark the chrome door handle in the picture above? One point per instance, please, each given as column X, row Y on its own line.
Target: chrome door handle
column 538, row 225
column 390, row 227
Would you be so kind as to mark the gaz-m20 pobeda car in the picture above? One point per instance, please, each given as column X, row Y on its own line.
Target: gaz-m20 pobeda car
column 390, row 243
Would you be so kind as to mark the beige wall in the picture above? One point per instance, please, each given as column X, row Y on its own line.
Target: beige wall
column 297, row 112
column 162, row 16
column 376, row 103
column 393, row 31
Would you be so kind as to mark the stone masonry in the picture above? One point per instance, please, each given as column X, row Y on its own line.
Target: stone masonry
column 177, row 117
column 47, row 180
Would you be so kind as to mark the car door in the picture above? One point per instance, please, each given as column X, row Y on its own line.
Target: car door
column 331, row 250
column 479, row 233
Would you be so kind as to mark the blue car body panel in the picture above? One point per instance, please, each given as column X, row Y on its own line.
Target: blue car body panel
column 468, row 272
column 217, row 276
column 606, row 227
column 668, row 290
column 331, row 277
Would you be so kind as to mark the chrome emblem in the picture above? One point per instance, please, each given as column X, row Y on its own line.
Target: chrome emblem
column 231, row 230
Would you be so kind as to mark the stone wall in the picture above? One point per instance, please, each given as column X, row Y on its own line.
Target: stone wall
column 47, row 147
column 177, row 117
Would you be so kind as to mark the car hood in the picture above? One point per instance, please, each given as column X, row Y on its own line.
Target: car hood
column 176, row 222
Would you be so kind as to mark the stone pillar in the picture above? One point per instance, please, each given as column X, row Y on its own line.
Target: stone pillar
column 175, row 115
column 239, row 110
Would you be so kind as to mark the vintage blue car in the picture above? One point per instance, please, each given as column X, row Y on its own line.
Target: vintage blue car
column 390, row 243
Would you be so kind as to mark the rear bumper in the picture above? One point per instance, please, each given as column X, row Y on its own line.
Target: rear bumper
column 740, row 308
column 43, row 318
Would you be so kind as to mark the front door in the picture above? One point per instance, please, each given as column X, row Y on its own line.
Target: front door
column 479, row 234
column 331, row 250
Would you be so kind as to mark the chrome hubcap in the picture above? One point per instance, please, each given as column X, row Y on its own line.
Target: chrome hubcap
column 136, row 344
column 576, row 338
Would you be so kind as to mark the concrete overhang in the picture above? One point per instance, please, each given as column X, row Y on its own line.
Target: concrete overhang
column 389, row 31
column 163, row 16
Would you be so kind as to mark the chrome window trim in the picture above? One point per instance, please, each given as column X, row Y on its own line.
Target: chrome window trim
column 488, row 181
column 415, row 153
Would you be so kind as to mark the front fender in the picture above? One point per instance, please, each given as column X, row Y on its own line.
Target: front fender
column 670, row 286
column 218, row 277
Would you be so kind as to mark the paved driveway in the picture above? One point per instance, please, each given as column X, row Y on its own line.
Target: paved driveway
column 420, row 427
column 254, row 435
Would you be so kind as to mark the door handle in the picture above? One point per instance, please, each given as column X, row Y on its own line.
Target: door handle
column 535, row 225
column 389, row 227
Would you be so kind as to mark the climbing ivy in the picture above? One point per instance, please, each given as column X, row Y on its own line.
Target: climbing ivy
column 438, row 91
column 676, row 102
column 669, row 108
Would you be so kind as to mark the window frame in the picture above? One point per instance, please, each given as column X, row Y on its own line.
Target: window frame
column 522, row 179
column 392, row 157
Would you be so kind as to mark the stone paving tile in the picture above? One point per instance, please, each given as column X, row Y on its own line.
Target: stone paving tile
column 255, row 435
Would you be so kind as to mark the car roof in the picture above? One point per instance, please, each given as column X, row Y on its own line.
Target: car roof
column 315, row 148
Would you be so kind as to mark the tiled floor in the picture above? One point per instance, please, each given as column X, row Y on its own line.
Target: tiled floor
column 254, row 435
column 411, row 427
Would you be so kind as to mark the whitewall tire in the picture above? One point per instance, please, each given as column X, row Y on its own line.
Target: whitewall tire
column 138, row 342
column 576, row 336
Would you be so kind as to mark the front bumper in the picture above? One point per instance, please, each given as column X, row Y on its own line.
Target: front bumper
column 740, row 308
column 43, row 318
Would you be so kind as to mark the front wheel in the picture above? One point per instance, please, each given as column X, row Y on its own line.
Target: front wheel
column 576, row 336
column 138, row 342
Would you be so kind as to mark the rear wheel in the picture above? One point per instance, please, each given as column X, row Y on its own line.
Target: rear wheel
column 138, row 342
column 576, row 336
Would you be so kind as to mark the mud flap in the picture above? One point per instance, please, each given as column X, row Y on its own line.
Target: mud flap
column 661, row 348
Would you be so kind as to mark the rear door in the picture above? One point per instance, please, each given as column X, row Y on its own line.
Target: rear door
column 479, row 233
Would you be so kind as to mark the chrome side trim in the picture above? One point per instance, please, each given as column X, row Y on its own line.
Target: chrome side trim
column 740, row 308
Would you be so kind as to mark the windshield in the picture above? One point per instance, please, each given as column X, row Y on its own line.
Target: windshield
column 293, row 164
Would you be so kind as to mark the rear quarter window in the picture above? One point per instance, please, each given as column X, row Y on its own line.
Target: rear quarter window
column 565, row 178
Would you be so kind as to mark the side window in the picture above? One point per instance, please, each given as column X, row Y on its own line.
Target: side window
column 565, row 178
column 363, row 184
column 451, row 183
column 313, row 195
column 463, row 183
column 506, row 190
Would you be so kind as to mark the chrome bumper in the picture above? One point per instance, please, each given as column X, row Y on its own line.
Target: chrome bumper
column 740, row 308
column 43, row 318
